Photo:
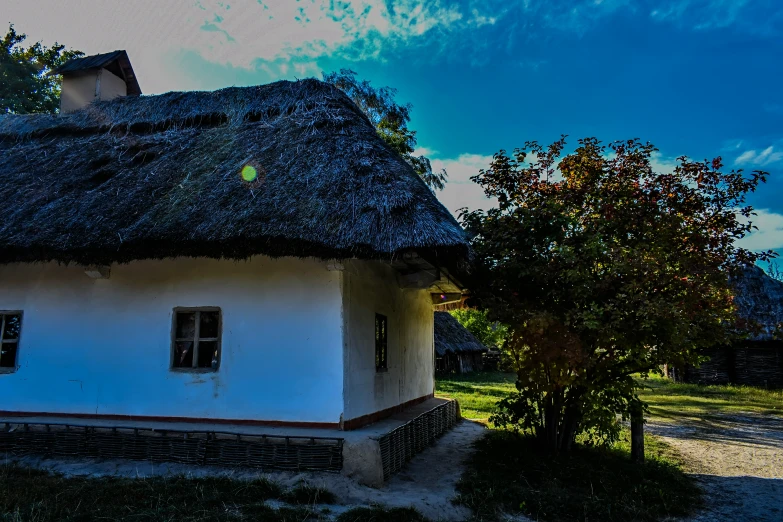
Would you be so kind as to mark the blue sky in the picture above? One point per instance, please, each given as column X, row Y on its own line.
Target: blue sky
column 696, row 77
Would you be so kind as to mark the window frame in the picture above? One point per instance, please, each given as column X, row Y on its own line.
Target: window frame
column 196, row 338
column 382, row 363
column 17, row 341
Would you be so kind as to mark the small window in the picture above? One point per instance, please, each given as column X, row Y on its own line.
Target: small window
column 381, row 347
column 10, row 327
column 196, row 343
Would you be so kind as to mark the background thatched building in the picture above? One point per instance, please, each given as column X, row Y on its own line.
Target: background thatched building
column 758, row 360
column 456, row 349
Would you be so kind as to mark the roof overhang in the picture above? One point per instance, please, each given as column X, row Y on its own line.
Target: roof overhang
column 414, row 271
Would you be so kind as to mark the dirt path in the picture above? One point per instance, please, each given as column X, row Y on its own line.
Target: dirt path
column 738, row 459
column 428, row 481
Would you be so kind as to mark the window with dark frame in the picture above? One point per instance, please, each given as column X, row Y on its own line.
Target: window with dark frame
column 10, row 327
column 196, row 339
column 381, row 346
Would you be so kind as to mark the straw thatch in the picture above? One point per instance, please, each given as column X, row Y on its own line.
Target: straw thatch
column 759, row 300
column 159, row 176
column 452, row 337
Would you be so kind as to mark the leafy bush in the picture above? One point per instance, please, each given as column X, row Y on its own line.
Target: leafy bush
column 509, row 474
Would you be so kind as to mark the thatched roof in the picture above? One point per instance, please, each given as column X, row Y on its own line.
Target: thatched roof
column 450, row 336
column 161, row 176
column 759, row 300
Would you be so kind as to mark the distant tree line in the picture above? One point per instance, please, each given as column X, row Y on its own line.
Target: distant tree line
column 25, row 83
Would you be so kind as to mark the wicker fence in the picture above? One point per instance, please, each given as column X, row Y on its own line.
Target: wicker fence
column 750, row 363
column 401, row 444
column 219, row 448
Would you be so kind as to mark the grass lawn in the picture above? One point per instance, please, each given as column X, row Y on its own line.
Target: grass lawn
column 669, row 400
column 33, row 495
column 508, row 473
column 476, row 392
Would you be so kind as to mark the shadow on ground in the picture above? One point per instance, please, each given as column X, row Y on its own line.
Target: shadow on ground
column 744, row 499
column 755, row 430
column 737, row 458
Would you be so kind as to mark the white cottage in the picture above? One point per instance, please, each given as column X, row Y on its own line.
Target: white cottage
column 245, row 256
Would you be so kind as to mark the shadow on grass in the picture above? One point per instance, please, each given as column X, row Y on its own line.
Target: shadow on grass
column 28, row 494
column 453, row 387
column 493, row 378
column 509, row 473
column 32, row 494
column 477, row 393
column 680, row 399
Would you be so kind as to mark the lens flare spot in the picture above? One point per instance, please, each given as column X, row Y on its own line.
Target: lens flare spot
column 249, row 173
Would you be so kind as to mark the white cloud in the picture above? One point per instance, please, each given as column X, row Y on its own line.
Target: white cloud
column 662, row 164
column 425, row 151
column 700, row 14
column 753, row 158
column 280, row 36
column 769, row 234
column 460, row 191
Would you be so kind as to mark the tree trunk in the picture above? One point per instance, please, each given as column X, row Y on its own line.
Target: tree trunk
column 551, row 422
column 560, row 424
column 568, row 431
column 637, row 433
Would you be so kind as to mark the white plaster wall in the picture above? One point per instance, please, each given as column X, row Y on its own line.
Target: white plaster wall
column 370, row 288
column 103, row 346
column 112, row 86
column 78, row 91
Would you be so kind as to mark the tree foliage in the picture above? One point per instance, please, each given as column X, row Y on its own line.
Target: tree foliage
column 390, row 119
column 603, row 268
column 25, row 83
column 774, row 271
column 492, row 334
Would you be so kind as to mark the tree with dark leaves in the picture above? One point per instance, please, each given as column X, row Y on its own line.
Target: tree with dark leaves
column 25, row 83
column 603, row 269
column 390, row 119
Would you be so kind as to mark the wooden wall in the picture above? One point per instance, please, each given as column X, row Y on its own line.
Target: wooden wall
column 758, row 363
column 458, row 363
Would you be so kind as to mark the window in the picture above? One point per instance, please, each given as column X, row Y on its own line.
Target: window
column 10, row 325
column 196, row 339
column 381, row 352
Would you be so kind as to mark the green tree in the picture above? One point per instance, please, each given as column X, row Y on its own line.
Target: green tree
column 603, row 268
column 492, row 334
column 25, row 83
column 390, row 119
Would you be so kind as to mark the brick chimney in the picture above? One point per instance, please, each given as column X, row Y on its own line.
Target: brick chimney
column 98, row 77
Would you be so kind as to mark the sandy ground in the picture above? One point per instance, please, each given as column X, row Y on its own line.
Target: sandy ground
column 738, row 459
column 427, row 482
